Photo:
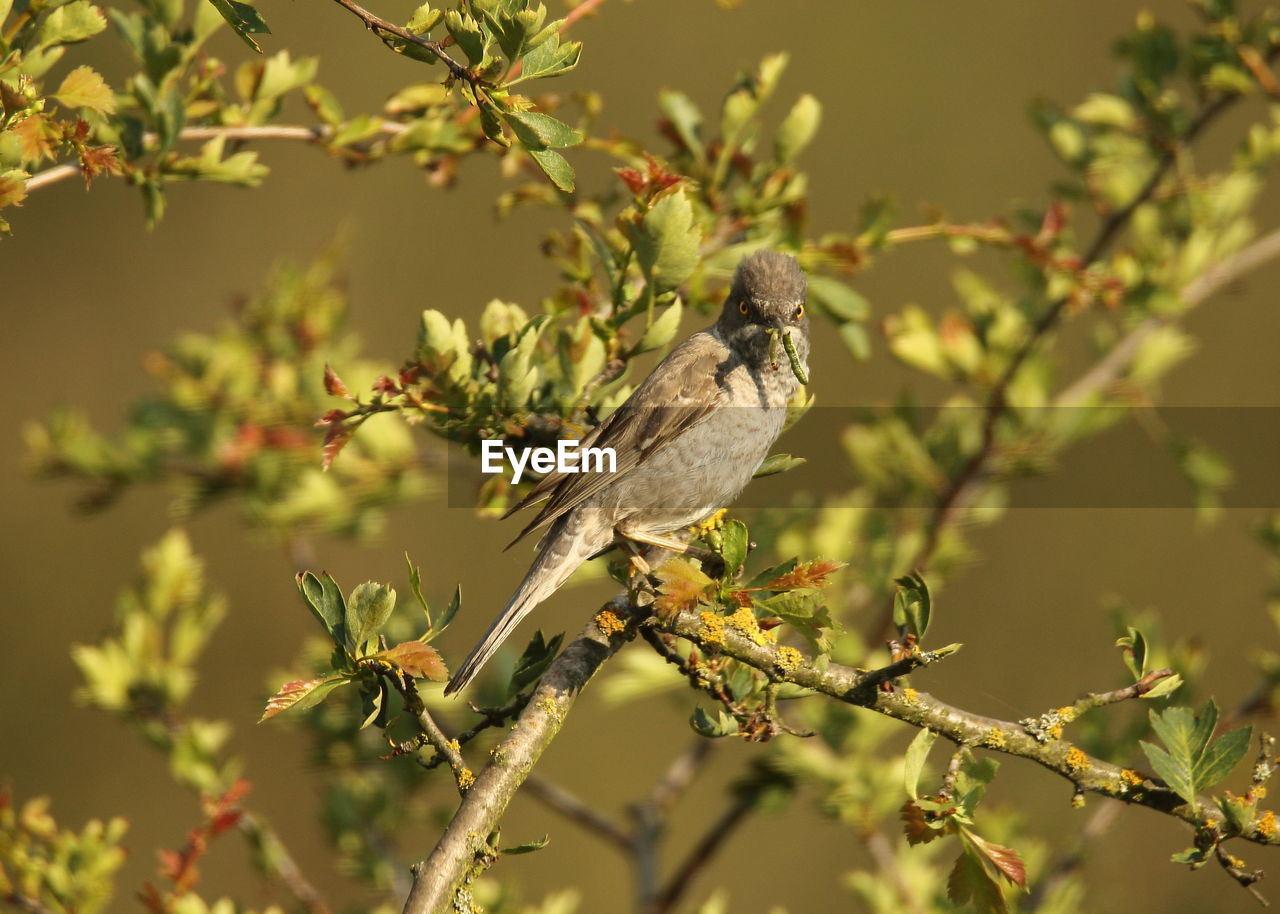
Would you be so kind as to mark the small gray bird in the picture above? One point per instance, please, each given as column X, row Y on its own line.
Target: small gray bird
column 687, row 441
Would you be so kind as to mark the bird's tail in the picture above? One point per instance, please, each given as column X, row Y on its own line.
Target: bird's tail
column 564, row 548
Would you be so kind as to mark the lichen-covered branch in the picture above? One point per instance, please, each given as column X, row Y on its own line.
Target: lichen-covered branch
column 441, row 882
column 965, row 728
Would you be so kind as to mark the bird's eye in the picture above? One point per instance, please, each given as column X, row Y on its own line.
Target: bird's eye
column 799, row 313
column 743, row 307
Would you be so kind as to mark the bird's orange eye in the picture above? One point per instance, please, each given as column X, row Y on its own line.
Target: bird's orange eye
column 743, row 307
column 799, row 312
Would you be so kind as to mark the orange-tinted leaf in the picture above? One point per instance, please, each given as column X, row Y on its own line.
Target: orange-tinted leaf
column 333, row 384
column 300, row 694
column 681, row 586
column 335, row 439
column 1004, row 859
column 13, row 188
column 35, row 137
column 84, row 88
column 419, row 660
column 810, row 574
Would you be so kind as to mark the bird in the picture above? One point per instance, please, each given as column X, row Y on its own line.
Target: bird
column 687, row 441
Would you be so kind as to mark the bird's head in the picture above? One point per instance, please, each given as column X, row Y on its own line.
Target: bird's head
column 766, row 303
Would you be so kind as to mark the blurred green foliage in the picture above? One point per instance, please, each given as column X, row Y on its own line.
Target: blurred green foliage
column 277, row 411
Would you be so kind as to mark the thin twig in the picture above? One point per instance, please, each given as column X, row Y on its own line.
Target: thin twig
column 281, row 863
column 710, row 842
column 378, row 24
column 1071, row 862
column 446, row 748
column 887, row 862
column 557, row 798
column 318, row 133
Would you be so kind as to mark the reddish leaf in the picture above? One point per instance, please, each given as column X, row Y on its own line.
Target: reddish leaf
column 915, row 827
column 385, row 385
column 333, row 384
column 1004, row 859
column 335, row 439
column 632, row 178
column 419, row 660
column 99, row 160
column 300, row 694
column 810, row 574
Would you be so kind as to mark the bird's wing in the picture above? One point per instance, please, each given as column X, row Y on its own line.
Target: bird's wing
column 682, row 391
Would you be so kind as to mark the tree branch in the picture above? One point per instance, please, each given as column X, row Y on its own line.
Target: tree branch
column 441, row 882
column 556, row 798
column 710, row 842
column 377, row 24
column 964, row 728
column 1203, row 287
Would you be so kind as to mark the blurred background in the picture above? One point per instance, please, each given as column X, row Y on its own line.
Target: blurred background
column 927, row 101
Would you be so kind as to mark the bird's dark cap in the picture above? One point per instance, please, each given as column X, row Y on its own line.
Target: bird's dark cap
column 771, row 275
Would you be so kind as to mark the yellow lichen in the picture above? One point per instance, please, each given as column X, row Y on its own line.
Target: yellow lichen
column 911, row 696
column 1076, row 759
column 994, row 738
column 454, row 745
column 548, row 706
column 608, row 623
column 1077, row 800
column 714, row 522
column 1259, row 792
column 788, row 658
column 1266, row 824
column 466, row 778
column 712, row 628
column 1130, row 778
column 744, row 622
column 1055, row 731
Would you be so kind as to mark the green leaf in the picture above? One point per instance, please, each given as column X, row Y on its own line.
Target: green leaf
column 971, row 882
column 73, row 22
column 244, row 20
column 527, row 848
column 913, row 762
column 466, row 32
column 797, row 129
column 666, row 242
column 773, row 573
column 83, row 87
column 685, row 119
column 1191, row 759
column 556, row 167
column 424, row 19
column 1221, row 756
column 368, row 609
column 912, row 605
column 733, row 547
column 301, row 694
column 415, row 587
column 1173, row 772
column 325, row 601
column 536, row 130
column 663, row 329
column 1134, row 648
column 550, row 58
column 837, row 299
column 777, row 463
column 537, row 656
column 972, row 779
column 712, row 727
column 806, row 612
column 450, row 611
